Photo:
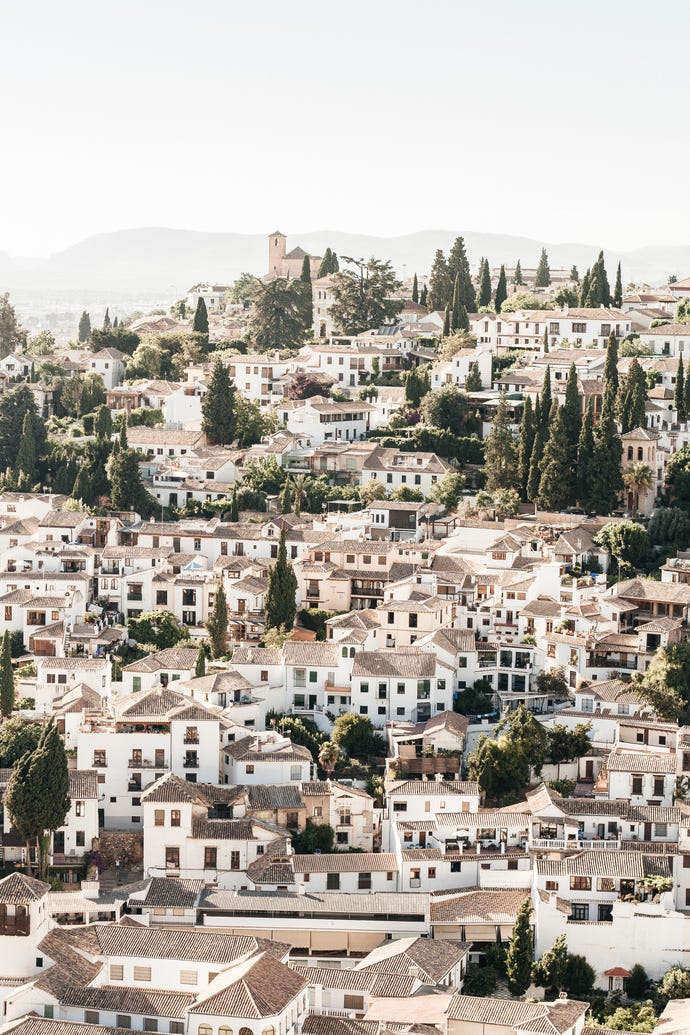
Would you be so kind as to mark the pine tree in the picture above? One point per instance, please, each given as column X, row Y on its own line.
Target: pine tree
column 543, row 277
column 106, row 320
column 520, row 953
column 6, row 676
column 517, row 275
column 534, row 467
column 618, row 289
column 200, row 325
column 473, row 381
column 679, row 393
column 279, row 605
column 219, row 419
column 525, row 444
column 458, row 263
column 27, row 457
column 84, row 332
column 585, row 458
column 82, row 486
column 446, row 322
column 200, row 666
column 484, row 296
column 501, row 290
column 545, row 402
column 557, row 483
column 415, row 289
column 606, row 479
column 572, row 411
column 217, row 623
column 500, row 454
column 126, row 489
column 234, row 510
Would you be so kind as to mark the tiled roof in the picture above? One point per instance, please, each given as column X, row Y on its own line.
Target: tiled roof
column 83, row 783
column 18, row 889
column 182, row 658
column 170, row 788
column 346, row 862
column 560, row 1015
column 614, row 863
column 434, row 788
column 314, row 653
column 180, row 943
column 334, row 903
column 146, row 1002
column 166, row 893
column 223, row 829
column 642, row 762
column 260, row 656
column 479, row 906
column 263, row 987
column 268, row 796
column 402, row 664
column 434, row 957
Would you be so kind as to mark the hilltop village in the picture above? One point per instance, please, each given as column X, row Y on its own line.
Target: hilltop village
column 345, row 674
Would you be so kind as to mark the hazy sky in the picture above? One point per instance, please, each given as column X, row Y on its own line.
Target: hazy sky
column 565, row 121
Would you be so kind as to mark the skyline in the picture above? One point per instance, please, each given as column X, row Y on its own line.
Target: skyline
column 128, row 116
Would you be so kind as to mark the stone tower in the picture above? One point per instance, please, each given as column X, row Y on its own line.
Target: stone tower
column 277, row 244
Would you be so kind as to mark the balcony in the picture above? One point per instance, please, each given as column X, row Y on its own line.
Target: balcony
column 135, row 597
column 190, row 763
column 147, row 763
column 191, row 738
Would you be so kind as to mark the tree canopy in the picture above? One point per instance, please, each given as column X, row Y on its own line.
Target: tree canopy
column 364, row 296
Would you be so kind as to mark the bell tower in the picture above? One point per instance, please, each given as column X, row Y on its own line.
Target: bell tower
column 277, row 244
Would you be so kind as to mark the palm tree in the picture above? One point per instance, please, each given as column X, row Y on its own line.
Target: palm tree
column 299, row 491
column 329, row 753
column 638, row 478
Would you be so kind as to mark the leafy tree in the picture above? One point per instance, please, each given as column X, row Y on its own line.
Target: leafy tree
column 37, row 796
column 473, row 381
column 363, row 298
column 17, row 737
column 675, row 984
column 219, row 417
column 579, row 977
column 522, row 300
column 407, row 494
column 553, row 683
column 501, row 290
column 159, row 629
column 372, row 490
column 566, row 297
column 639, row 1017
column 27, row 454
column 665, row 685
column 84, row 332
column 517, row 276
column 329, row 753
column 637, row 985
column 122, row 339
column 251, row 424
column 316, row 837
column 458, row 265
column 501, row 765
column 543, row 277
column 277, row 319
column 200, row 666
column 355, row 735
column 417, row 385
column 6, row 677
column 557, row 482
column 41, row 344
column 550, row 969
column 617, row 300
column 146, row 361
column 440, row 282
column 448, row 490
column 126, row 489
column 14, row 406
column 625, row 540
column 479, row 981
column 484, row 295
column 501, row 459
column 520, row 951
column 200, row 324
column 446, row 408
column 280, row 604
column 217, row 623
column 669, row 528
column 565, row 744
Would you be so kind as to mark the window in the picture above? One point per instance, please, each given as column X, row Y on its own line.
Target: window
column 123, row 1020
column 177, row 1028
column 80, row 808
column 413, row 620
column 117, row 972
column 234, row 860
column 142, row 973
column 580, row 911
column 99, row 759
column 150, row 1024
column 172, row 858
column 332, row 882
column 658, row 786
column 660, row 829
column 581, row 883
column 210, row 858
column 637, row 785
column 353, row 1002
column 175, row 818
column 364, row 882
column 80, row 839
column 92, row 1017
column 190, row 977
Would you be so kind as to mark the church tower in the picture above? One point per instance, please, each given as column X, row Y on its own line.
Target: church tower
column 277, row 244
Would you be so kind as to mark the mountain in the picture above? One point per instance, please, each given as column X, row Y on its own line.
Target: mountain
column 162, row 261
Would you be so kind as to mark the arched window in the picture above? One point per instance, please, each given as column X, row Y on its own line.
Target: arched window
column 224, row 1030
column 352, row 652
column 246, row 1031
column 639, row 452
column 205, row 1029
column 344, row 652
column 270, row 1030
column 630, row 452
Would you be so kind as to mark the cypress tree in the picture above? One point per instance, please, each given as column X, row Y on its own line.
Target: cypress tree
column 517, row 276
column 234, row 511
column 618, row 289
column 200, row 325
column 106, row 320
column 638, row 408
column 546, row 340
column 574, row 275
column 610, row 377
column 446, row 322
column 279, row 605
column 687, row 396
column 606, row 479
column 584, row 288
column 115, row 324
column 81, row 489
column 415, row 289
column 200, row 666
column 305, row 275
column 103, row 423
column 27, row 457
column 545, row 403
column 501, row 290
column 84, row 332
column 286, row 498
column 335, row 265
column 124, row 444
column 534, row 465
column 679, row 393
column 217, row 623
column 595, row 294
column 325, row 267
column 543, row 277
column 520, row 953
column 500, row 454
column 424, row 297
column 525, row 444
column 484, row 296
column 458, row 263
column 219, row 419
column 6, row 677
column 457, row 303
column 603, row 277
column 440, row 282
column 557, row 483
column 126, row 488
column 473, row 381
column 585, row 458
column 572, row 411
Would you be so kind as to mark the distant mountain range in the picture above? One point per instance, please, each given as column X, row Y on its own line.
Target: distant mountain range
column 165, row 262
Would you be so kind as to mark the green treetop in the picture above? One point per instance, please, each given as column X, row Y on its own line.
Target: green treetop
column 543, row 277
column 520, row 951
column 484, row 294
column 280, row 605
column 501, row 290
column 557, row 483
column 200, row 325
column 217, row 623
column 500, row 463
column 218, row 409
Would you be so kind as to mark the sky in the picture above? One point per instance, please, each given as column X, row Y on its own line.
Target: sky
column 559, row 121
